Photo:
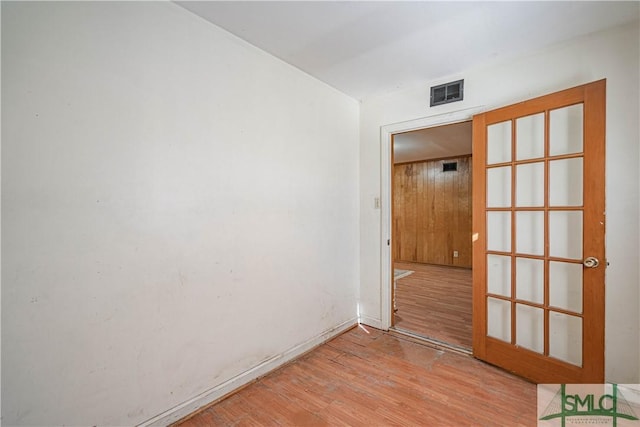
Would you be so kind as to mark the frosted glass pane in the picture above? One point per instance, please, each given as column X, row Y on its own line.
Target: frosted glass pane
column 565, row 130
column 565, row 182
column 565, row 234
column 565, row 286
column 499, row 319
column 530, row 280
column 530, row 327
column 499, row 187
column 530, row 137
column 565, row 337
column 499, row 231
column 530, row 184
column 499, row 275
column 499, row 143
column 530, row 232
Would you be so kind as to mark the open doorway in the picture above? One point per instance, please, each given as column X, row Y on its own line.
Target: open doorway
column 431, row 228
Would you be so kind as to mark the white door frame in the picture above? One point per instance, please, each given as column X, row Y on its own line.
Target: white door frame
column 385, row 186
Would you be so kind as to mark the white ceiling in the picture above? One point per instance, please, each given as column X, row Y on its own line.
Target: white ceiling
column 363, row 48
column 432, row 143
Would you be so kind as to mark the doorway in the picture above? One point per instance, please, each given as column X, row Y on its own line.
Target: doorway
column 431, row 226
column 538, row 233
column 386, row 155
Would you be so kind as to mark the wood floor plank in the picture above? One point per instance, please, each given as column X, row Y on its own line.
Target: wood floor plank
column 365, row 378
column 435, row 302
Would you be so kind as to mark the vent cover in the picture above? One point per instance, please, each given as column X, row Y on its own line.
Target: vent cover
column 448, row 92
column 450, row 167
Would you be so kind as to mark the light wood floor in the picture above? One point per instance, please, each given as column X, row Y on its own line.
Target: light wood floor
column 435, row 302
column 367, row 377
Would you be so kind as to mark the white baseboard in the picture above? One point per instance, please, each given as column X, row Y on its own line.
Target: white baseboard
column 374, row 323
column 182, row 410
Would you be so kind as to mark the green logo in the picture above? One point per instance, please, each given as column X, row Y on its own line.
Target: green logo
column 608, row 405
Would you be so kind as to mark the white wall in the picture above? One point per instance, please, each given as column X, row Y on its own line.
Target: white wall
column 177, row 207
column 613, row 55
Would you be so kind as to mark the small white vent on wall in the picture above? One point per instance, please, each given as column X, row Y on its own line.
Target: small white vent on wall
column 448, row 92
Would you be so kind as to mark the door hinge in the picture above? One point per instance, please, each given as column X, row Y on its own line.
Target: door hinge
column 388, row 242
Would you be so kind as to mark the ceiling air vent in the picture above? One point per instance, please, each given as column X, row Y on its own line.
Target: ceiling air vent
column 448, row 92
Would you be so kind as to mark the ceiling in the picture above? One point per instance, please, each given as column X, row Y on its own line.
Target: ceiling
column 364, row 48
column 432, row 143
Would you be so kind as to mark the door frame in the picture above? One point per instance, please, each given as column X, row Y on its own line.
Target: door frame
column 386, row 166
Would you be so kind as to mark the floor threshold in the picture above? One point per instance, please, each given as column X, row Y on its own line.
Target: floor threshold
column 431, row 342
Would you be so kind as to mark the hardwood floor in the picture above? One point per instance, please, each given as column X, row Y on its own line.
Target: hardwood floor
column 366, row 377
column 435, row 302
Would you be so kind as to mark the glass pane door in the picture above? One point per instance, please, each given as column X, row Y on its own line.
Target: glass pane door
column 534, row 229
column 539, row 210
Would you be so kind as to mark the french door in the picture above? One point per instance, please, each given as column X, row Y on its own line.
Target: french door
column 538, row 231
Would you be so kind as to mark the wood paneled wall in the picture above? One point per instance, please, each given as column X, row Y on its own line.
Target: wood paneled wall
column 432, row 212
